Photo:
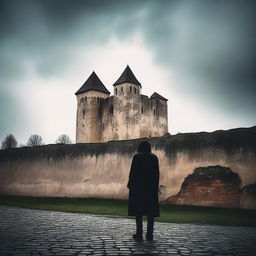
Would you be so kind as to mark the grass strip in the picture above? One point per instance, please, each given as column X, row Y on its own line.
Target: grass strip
column 118, row 208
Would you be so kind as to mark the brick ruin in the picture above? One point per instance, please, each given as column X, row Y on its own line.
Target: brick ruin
column 214, row 186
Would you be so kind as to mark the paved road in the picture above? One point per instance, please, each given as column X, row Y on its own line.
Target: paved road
column 35, row 232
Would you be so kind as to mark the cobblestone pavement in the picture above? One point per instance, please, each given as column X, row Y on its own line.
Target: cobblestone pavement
column 35, row 232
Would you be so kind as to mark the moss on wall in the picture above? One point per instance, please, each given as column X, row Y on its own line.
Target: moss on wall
column 240, row 140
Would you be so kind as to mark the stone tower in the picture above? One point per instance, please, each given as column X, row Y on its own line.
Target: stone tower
column 127, row 84
column 88, row 121
column 127, row 114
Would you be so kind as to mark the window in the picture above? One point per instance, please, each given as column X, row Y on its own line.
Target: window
column 82, row 99
column 85, row 98
column 134, row 90
column 154, row 111
column 130, row 89
column 111, row 110
column 122, row 89
column 142, row 110
column 116, row 91
column 83, row 113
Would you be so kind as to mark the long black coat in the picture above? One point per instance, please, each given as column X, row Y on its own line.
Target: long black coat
column 143, row 185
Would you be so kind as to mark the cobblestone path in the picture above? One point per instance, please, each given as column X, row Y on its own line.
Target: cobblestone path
column 35, row 232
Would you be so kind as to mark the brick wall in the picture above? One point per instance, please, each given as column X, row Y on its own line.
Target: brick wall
column 209, row 186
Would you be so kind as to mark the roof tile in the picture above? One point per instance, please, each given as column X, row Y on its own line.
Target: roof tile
column 93, row 83
column 156, row 95
column 127, row 76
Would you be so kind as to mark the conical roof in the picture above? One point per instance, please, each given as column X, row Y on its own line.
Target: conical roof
column 93, row 83
column 156, row 95
column 127, row 77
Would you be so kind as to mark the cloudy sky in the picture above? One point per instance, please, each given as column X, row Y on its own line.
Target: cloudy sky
column 201, row 55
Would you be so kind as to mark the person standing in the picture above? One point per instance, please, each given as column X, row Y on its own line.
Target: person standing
column 143, row 189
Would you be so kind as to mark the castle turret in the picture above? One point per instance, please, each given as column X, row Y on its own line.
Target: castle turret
column 160, row 114
column 88, row 119
column 127, row 84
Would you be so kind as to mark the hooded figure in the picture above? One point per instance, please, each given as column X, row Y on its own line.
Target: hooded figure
column 143, row 189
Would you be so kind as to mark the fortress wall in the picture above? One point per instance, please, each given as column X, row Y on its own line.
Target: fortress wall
column 102, row 169
column 160, row 122
column 132, row 116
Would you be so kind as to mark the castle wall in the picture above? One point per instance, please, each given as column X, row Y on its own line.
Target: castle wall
column 130, row 115
column 157, row 116
column 124, row 122
column 102, row 169
column 121, row 113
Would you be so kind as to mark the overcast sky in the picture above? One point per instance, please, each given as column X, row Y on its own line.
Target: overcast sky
column 201, row 55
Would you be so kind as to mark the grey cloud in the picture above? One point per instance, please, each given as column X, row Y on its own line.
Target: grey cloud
column 212, row 45
column 209, row 44
column 12, row 118
column 47, row 31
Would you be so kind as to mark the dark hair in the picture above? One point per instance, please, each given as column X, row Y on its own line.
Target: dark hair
column 144, row 146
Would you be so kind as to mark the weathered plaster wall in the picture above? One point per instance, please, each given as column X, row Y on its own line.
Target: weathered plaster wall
column 102, row 169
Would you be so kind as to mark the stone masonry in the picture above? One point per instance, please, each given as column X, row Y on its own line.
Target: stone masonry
column 126, row 115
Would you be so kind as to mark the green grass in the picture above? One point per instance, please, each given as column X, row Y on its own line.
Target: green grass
column 118, row 208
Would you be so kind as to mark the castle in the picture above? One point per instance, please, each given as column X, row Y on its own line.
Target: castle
column 127, row 114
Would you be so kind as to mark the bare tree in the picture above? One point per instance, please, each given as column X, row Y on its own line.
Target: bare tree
column 9, row 142
column 63, row 139
column 35, row 140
